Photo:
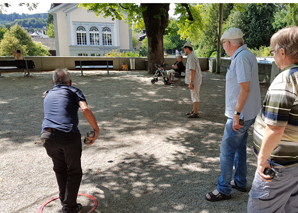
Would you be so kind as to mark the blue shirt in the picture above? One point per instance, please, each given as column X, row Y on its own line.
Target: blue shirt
column 61, row 106
column 243, row 68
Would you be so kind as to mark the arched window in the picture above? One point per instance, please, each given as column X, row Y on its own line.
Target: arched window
column 94, row 36
column 106, row 36
column 81, row 36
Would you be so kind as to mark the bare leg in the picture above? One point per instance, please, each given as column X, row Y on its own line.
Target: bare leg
column 195, row 108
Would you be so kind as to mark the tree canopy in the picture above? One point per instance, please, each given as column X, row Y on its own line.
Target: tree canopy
column 18, row 38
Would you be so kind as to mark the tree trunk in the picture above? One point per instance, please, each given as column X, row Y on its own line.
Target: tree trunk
column 220, row 18
column 155, row 25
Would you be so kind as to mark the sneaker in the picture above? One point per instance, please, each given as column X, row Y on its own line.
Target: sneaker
column 193, row 115
column 79, row 208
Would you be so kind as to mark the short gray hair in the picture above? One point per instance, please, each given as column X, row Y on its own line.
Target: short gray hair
column 180, row 56
column 61, row 76
column 286, row 38
column 236, row 42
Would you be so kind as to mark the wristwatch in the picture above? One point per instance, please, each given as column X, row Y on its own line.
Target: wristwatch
column 236, row 113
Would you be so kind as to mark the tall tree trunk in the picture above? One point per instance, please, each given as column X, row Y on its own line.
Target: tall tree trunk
column 156, row 19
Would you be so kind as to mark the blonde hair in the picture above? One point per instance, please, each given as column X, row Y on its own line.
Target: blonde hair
column 286, row 38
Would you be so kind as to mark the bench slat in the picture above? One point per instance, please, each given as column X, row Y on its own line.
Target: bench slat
column 94, row 64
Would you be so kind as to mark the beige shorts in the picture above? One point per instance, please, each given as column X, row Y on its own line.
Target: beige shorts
column 195, row 93
column 170, row 72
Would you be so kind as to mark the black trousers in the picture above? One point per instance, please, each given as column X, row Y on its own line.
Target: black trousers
column 65, row 149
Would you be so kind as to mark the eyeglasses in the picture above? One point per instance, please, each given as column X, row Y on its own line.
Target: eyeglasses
column 224, row 42
column 272, row 52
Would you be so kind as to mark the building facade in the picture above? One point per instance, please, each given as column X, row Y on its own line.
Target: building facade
column 78, row 32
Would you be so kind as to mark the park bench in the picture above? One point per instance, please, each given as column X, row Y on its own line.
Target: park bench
column 180, row 77
column 94, row 64
column 14, row 65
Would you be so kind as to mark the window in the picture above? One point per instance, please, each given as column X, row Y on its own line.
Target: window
column 81, row 36
column 95, row 54
column 82, row 54
column 106, row 36
column 94, row 36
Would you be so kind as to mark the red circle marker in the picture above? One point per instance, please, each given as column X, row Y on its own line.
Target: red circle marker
column 81, row 194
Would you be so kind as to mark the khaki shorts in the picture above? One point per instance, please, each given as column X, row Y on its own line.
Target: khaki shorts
column 195, row 93
column 170, row 72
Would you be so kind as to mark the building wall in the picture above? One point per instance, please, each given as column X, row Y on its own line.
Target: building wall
column 62, row 28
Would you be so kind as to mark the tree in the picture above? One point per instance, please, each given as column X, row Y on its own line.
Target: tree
column 2, row 32
column 153, row 17
column 280, row 20
column 50, row 30
column 292, row 15
column 18, row 38
column 257, row 24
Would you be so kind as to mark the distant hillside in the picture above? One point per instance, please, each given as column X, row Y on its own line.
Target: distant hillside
column 11, row 18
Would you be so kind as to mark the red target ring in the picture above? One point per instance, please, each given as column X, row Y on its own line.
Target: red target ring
column 81, row 194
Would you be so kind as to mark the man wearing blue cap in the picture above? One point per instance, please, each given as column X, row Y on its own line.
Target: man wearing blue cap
column 243, row 102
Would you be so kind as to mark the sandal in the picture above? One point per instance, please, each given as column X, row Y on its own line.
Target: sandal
column 193, row 115
column 235, row 186
column 189, row 113
column 218, row 197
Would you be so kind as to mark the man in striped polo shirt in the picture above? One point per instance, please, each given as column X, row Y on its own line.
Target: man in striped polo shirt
column 276, row 133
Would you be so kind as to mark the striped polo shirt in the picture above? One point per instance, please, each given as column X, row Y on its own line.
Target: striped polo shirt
column 280, row 108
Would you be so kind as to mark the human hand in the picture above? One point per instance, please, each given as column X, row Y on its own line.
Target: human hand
column 44, row 93
column 96, row 132
column 261, row 167
column 236, row 126
column 190, row 86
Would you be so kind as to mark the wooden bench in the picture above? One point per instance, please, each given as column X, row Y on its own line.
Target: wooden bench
column 94, row 64
column 12, row 65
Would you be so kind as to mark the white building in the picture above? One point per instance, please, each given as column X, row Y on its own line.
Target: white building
column 78, row 32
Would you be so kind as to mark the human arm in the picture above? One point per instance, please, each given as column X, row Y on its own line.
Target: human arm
column 14, row 53
column 91, row 120
column 192, row 77
column 242, row 97
column 272, row 137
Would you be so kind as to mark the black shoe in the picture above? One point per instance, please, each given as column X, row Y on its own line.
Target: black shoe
column 235, row 186
column 189, row 113
column 79, row 208
column 193, row 115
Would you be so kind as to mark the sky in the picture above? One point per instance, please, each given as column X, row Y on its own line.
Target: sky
column 44, row 7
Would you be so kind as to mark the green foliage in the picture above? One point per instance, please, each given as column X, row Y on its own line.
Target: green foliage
column 50, row 30
column 257, row 24
column 263, row 51
column 115, row 53
column 172, row 39
column 280, row 20
column 115, row 11
column 189, row 29
column 31, row 22
column 2, row 32
column 292, row 15
column 18, row 38
column 9, row 18
column 143, row 50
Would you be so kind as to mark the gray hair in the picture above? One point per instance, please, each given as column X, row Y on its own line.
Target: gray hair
column 180, row 56
column 236, row 42
column 61, row 76
column 286, row 38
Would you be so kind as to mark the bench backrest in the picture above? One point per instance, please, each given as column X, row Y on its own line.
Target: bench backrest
column 18, row 63
column 93, row 62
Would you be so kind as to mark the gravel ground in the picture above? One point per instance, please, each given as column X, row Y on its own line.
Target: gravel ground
column 148, row 158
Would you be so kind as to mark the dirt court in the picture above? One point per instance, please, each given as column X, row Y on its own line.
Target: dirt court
column 148, row 157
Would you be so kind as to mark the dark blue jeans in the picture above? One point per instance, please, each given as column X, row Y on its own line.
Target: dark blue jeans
column 65, row 149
